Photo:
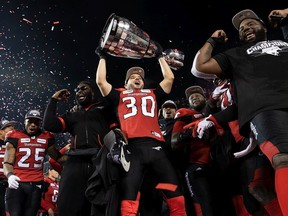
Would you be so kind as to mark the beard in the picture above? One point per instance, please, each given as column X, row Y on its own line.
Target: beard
column 260, row 35
column 199, row 107
column 87, row 102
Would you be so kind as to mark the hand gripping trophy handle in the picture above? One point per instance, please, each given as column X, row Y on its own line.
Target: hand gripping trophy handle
column 122, row 38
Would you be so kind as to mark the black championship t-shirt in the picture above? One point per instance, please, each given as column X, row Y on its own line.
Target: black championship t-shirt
column 260, row 74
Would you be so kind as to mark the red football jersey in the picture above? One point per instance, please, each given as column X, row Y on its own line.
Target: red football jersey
column 199, row 149
column 30, row 153
column 49, row 198
column 226, row 99
column 138, row 115
column 2, row 152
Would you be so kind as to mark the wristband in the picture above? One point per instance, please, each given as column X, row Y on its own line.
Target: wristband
column 8, row 163
column 211, row 41
column 9, row 174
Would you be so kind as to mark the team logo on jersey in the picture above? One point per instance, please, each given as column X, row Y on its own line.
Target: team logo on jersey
column 146, row 90
column 43, row 141
column 24, row 140
column 129, row 91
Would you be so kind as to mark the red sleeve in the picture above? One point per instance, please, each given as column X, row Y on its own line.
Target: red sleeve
column 55, row 165
column 63, row 150
column 183, row 117
column 45, row 204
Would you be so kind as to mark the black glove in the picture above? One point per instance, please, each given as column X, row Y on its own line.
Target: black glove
column 185, row 135
column 159, row 51
column 99, row 51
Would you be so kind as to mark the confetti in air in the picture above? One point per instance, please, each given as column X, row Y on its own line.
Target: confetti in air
column 26, row 20
column 33, row 63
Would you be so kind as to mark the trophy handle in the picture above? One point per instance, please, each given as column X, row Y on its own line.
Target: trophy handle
column 174, row 58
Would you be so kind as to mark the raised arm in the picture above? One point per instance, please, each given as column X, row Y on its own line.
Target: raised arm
column 168, row 75
column 279, row 18
column 101, row 74
column 51, row 122
column 200, row 74
column 203, row 62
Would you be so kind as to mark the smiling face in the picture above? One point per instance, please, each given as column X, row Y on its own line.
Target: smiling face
column 252, row 30
column 84, row 95
column 135, row 82
column 197, row 101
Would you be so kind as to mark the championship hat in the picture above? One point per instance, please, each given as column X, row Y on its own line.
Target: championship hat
column 135, row 70
column 242, row 15
column 169, row 103
column 5, row 123
column 33, row 114
column 194, row 89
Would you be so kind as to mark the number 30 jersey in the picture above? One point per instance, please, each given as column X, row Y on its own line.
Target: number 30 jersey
column 137, row 112
column 30, row 153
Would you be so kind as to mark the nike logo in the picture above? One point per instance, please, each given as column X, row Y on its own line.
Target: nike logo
column 158, row 148
column 124, row 162
column 39, row 186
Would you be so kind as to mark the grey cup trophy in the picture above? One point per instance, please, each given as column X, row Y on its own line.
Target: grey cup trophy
column 122, row 38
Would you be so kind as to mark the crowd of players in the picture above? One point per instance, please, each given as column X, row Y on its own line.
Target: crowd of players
column 183, row 160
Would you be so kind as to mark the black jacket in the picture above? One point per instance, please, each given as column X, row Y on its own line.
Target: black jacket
column 87, row 126
column 103, row 186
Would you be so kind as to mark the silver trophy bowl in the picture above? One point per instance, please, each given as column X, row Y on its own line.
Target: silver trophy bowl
column 122, row 38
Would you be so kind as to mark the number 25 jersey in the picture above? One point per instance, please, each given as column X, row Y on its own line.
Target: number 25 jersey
column 30, row 153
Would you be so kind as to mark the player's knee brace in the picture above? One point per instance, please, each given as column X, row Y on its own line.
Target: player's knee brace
column 262, row 194
column 129, row 207
column 280, row 160
column 176, row 206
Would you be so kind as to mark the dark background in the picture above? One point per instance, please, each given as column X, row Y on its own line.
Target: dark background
column 38, row 55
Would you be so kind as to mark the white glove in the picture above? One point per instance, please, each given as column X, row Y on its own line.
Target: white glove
column 219, row 90
column 249, row 148
column 203, row 126
column 13, row 181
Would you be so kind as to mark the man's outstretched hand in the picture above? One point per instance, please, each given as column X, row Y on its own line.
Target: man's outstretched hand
column 99, row 51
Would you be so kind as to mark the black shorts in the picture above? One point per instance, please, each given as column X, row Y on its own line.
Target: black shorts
column 148, row 155
column 271, row 130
